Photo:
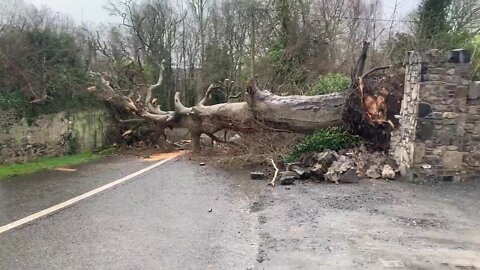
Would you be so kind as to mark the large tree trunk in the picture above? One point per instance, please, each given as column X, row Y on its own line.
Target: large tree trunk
column 301, row 114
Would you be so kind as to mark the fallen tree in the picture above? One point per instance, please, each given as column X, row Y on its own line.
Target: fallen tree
column 300, row 114
column 367, row 109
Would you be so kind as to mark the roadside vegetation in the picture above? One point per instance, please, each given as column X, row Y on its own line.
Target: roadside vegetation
column 47, row 163
column 330, row 83
column 325, row 139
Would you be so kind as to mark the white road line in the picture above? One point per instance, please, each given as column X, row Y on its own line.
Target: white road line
column 72, row 201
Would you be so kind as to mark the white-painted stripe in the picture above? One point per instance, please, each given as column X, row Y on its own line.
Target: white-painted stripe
column 89, row 194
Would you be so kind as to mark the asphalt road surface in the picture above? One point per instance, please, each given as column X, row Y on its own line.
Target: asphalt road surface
column 180, row 215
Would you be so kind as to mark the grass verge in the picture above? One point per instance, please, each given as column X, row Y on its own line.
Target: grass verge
column 46, row 163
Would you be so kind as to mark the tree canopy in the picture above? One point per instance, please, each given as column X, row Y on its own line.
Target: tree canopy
column 289, row 45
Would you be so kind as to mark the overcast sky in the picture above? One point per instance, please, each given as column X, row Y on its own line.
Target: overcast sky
column 93, row 10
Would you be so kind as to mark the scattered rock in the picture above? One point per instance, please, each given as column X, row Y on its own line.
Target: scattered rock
column 388, row 172
column 339, row 167
column 289, row 174
column 287, row 180
column 302, row 173
column 373, row 172
column 210, row 210
column 318, row 171
column 326, row 159
column 346, row 166
column 308, row 159
column 452, row 148
column 349, row 177
column 257, row 175
column 393, row 164
column 378, row 159
column 314, row 164
column 202, row 164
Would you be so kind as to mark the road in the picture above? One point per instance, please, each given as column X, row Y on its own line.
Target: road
column 180, row 215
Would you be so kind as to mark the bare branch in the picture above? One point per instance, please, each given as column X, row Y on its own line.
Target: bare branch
column 152, row 105
column 205, row 99
column 235, row 96
column 180, row 108
column 374, row 70
column 155, row 117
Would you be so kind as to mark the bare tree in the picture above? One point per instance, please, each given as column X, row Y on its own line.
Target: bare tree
column 465, row 15
column 200, row 12
column 152, row 28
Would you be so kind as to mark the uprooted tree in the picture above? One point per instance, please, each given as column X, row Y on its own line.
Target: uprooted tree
column 260, row 109
column 364, row 108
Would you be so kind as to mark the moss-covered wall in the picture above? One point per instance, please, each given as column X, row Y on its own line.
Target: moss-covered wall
column 92, row 129
column 53, row 134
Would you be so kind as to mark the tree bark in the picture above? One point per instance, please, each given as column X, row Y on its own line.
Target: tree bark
column 301, row 114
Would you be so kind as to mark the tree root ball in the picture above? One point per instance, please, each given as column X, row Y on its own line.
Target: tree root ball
column 386, row 92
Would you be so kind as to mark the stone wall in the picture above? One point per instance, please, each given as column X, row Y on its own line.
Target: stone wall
column 472, row 127
column 439, row 136
column 52, row 134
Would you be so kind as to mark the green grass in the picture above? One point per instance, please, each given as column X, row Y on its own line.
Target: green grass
column 324, row 139
column 46, row 163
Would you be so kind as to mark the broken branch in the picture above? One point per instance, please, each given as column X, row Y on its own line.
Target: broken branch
column 272, row 183
column 374, row 70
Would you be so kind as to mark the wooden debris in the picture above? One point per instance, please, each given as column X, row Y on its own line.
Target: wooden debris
column 272, row 183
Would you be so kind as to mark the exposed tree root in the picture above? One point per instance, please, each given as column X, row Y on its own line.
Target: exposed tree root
column 372, row 103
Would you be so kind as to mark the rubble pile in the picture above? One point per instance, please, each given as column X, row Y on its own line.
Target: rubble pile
column 345, row 166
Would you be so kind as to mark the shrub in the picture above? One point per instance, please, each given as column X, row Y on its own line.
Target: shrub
column 39, row 63
column 12, row 99
column 323, row 139
column 475, row 47
column 330, row 83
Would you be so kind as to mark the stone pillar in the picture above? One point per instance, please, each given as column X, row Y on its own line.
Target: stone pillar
column 430, row 143
column 472, row 128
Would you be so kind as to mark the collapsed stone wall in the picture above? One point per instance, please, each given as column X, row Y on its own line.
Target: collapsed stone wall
column 53, row 134
column 439, row 136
